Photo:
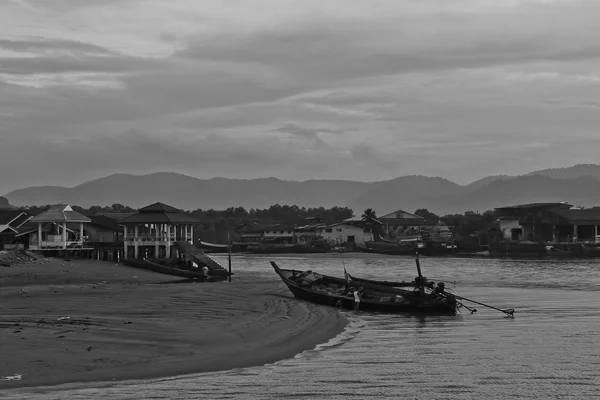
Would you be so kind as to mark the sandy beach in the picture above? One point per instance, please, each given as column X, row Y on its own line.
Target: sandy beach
column 93, row 321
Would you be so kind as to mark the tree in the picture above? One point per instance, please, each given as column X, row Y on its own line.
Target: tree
column 370, row 220
column 430, row 217
column 369, row 215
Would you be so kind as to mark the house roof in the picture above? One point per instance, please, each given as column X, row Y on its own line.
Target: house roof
column 401, row 214
column 60, row 213
column 562, row 205
column 31, row 227
column 9, row 216
column 119, row 216
column 6, row 229
column 356, row 220
column 159, row 207
column 159, row 213
column 105, row 222
column 578, row 215
column 22, row 219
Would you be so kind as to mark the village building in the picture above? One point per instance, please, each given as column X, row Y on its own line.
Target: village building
column 401, row 223
column 352, row 230
column 153, row 231
column 550, row 222
column 10, row 222
column 59, row 228
column 253, row 232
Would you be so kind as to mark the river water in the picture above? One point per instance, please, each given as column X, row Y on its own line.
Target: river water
column 550, row 350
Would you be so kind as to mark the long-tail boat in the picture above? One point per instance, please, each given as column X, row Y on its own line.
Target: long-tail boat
column 338, row 292
column 424, row 286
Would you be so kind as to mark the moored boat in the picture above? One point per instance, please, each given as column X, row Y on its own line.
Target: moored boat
column 333, row 291
column 364, row 281
column 170, row 269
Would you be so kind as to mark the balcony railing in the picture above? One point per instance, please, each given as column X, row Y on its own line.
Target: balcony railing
column 57, row 244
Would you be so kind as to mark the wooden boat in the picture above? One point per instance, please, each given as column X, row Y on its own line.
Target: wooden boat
column 363, row 281
column 332, row 291
column 170, row 270
column 422, row 286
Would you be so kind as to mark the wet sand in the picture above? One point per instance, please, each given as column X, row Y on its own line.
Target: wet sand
column 93, row 321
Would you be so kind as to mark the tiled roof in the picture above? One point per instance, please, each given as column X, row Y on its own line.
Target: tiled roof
column 401, row 214
column 7, row 216
column 60, row 213
column 21, row 220
column 32, row 227
column 563, row 205
column 6, row 229
column 160, row 218
column 159, row 213
column 159, row 207
column 114, row 215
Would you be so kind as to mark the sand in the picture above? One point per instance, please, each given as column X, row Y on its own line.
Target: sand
column 93, row 321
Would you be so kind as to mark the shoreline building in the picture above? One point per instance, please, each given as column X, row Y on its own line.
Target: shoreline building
column 52, row 230
column 10, row 222
column 153, row 231
column 549, row 222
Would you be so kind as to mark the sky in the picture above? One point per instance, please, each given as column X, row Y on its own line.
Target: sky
column 338, row 89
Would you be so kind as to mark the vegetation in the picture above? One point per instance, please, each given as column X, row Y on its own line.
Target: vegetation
column 370, row 220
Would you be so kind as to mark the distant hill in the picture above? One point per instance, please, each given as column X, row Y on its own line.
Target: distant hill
column 576, row 171
column 578, row 185
column 487, row 180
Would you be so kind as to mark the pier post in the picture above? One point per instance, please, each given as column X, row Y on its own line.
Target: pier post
column 135, row 243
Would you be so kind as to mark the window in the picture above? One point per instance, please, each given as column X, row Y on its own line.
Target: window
column 328, row 230
column 338, row 230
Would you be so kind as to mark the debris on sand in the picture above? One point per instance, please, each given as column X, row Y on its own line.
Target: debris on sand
column 13, row 257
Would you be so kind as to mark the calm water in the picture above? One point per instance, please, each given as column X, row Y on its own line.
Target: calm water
column 548, row 351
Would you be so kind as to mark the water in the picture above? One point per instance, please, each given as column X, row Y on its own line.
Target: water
column 548, row 351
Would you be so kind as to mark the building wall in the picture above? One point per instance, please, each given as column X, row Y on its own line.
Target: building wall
column 279, row 234
column 341, row 232
column 506, row 225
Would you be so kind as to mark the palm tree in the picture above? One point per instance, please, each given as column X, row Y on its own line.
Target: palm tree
column 369, row 215
column 369, row 218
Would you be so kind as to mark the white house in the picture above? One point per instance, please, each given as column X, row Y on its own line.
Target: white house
column 346, row 232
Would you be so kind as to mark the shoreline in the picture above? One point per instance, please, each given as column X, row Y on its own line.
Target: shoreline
column 89, row 321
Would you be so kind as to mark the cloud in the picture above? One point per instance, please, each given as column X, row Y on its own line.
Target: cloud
column 294, row 89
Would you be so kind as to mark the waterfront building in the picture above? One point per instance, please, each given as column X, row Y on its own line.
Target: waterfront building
column 10, row 222
column 550, row 222
column 401, row 223
column 154, row 229
column 352, row 230
column 58, row 228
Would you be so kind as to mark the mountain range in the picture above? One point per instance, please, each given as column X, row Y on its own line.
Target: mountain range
column 578, row 185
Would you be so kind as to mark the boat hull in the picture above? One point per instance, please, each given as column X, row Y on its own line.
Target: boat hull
column 386, row 300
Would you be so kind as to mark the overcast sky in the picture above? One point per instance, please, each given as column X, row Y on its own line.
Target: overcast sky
column 349, row 89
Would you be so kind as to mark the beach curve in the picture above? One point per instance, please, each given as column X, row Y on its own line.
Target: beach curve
column 91, row 321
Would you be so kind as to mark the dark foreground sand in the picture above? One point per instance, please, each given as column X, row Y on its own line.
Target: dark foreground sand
column 87, row 320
